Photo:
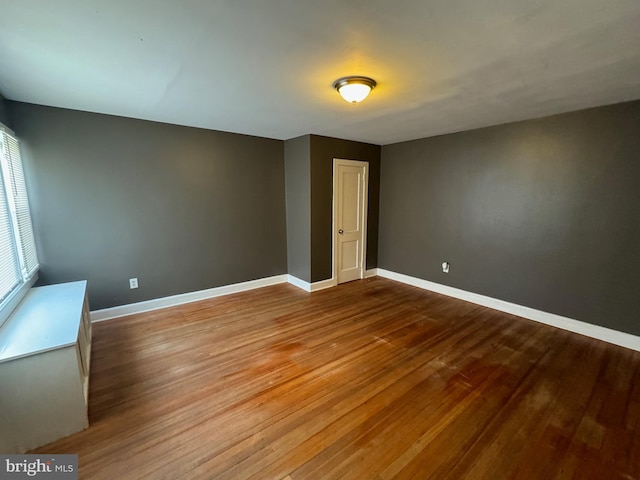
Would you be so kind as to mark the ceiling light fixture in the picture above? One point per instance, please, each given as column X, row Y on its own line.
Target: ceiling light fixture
column 354, row 89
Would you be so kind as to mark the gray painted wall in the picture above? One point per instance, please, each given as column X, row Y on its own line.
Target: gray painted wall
column 323, row 151
column 182, row 209
column 541, row 213
column 298, row 193
column 4, row 113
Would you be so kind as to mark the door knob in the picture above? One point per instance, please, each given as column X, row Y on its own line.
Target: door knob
column 341, row 231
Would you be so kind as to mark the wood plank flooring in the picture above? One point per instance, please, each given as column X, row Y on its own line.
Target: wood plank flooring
column 369, row 380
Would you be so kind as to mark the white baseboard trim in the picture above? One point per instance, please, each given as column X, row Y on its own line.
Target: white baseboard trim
column 321, row 285
column 173, row 300
column 306, row 286
column 594, row 331
column 330, row 282
column 311, row 287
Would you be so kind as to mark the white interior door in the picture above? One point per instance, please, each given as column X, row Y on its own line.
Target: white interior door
column 349, row 218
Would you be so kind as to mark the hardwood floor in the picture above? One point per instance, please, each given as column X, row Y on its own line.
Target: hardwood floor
column 369, row 380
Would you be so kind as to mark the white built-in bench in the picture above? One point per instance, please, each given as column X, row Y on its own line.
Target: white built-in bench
column 45, row 350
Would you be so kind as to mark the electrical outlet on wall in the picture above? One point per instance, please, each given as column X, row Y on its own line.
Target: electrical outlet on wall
column 133, row 283
column 445, row 267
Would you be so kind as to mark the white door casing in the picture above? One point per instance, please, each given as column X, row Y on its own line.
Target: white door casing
column 350, row 180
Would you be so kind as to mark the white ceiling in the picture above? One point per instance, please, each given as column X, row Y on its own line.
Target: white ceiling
column 265, row 67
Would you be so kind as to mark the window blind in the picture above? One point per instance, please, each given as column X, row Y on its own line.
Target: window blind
column 18, row 257
column 22, row 215
column 10, row 275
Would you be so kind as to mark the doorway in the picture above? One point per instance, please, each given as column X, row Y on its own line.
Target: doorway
column 350, row 181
